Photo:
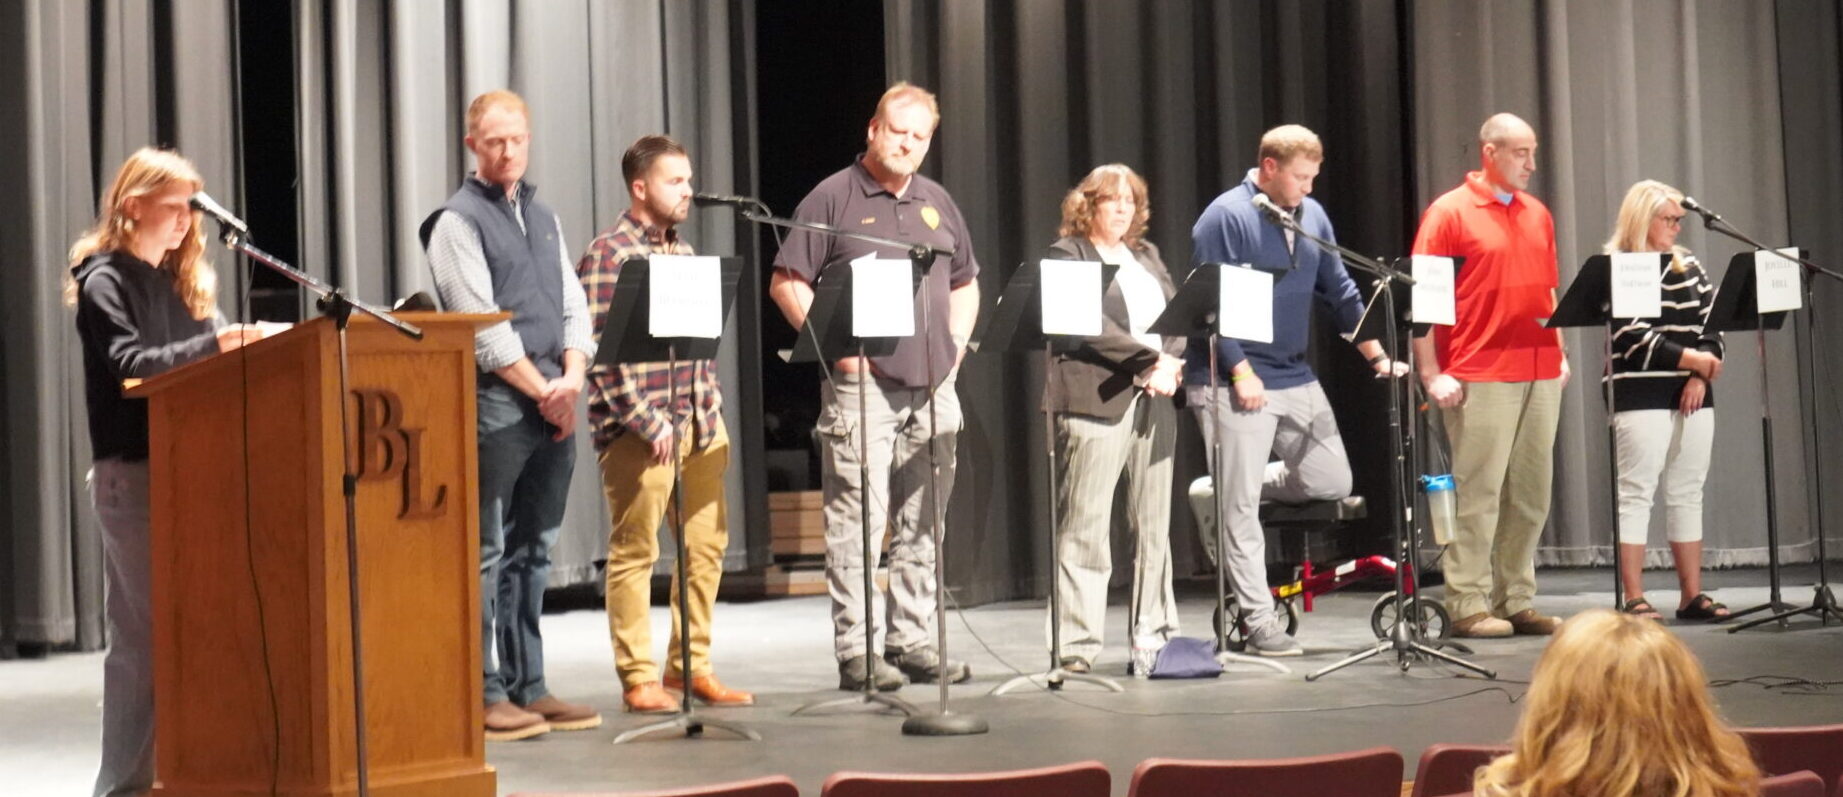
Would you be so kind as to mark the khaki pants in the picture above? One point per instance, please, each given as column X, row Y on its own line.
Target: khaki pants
column 1503, row 440
column 639, row 495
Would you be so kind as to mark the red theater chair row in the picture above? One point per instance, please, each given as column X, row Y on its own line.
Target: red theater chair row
column 1802, row 762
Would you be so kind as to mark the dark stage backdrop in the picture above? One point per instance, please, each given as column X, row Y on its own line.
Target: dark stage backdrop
column 352, row 109
column 1036, row 93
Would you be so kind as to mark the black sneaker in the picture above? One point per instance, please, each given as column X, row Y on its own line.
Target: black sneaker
column 851, row 674
column 924, row 666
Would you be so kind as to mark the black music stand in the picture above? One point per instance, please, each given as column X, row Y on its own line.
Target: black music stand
column 1389, row 317
column 1736, row 308
column 1192, row 313
column 828, row 329
column 1017, row 326
column 1589, row 303
column 625, row 339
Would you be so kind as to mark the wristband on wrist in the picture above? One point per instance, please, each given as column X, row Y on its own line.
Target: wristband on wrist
column 1234, row 377
column 1378, row 358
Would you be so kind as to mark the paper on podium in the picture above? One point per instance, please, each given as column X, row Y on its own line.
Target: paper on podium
column 1777, row 281
column 882, row 298
column 1245, row 306
column 1431, row 300
column 1071, row 293
column 684, row 297
column 1637, row 285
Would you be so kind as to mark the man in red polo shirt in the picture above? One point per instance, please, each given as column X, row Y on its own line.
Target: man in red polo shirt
column 1497, row 376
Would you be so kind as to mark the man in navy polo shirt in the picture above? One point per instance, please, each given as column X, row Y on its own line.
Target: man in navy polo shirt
column 1270, row 405
column 882, row 194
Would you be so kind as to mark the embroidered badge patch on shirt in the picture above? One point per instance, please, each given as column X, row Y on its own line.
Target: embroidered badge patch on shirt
column 931, row 216
column 869, row 220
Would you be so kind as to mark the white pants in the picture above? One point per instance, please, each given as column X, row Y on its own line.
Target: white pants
column 1666, row 445
column 119, row 491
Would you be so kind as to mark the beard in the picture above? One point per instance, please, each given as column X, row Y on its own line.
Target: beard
column 674, row 214
column 899, row 165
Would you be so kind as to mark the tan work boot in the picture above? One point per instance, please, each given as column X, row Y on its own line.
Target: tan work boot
column 509, row 723
column 1482, row 626
column 565, row 716
column 1529, row 623
column 648, row 698
column 711, row 692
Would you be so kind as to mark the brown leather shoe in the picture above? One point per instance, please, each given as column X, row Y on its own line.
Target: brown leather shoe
column 1482, row 626
column 509, row 723
column 648, row 698
column 1529, row 623
column 711, row 692
column 565, row 716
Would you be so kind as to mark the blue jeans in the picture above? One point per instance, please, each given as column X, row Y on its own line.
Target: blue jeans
column 524, row 482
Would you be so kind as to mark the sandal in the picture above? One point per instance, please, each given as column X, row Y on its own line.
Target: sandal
column 1703, row 607
column 1641, row 608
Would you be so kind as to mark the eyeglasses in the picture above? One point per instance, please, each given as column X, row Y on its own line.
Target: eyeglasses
column 1675, row 221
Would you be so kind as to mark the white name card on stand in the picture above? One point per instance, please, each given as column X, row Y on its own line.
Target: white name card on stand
column 882, row 298
column 1245, row 308
column 1431, row 299
column 1637, row 284
column 1071, row 291
column 1777, row 281
column 684, row 296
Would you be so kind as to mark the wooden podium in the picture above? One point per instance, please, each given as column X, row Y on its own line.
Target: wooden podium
column 252, row 652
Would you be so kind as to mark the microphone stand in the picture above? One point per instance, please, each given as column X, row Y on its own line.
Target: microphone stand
column 336, row 304
column 943, row 722
column 1824, row 602
column 1406, row 637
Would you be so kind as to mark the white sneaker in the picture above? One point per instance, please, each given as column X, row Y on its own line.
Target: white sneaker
column 1274, row 643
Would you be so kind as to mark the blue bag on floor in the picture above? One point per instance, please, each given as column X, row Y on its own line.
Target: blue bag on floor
column 1186, row 657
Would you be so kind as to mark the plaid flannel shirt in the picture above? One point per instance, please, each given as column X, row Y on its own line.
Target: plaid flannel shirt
column 632, row 397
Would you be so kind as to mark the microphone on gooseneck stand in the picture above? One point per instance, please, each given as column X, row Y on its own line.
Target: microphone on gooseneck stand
column 1709, row 217
column 202, row 201
column 703, row 199
column 1273, row 211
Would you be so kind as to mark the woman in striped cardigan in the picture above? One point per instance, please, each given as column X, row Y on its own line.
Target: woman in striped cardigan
column 1663, row 412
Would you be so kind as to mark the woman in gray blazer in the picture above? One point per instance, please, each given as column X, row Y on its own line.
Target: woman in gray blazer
column 1112, row 399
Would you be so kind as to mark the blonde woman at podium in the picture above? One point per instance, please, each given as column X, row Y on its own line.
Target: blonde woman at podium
column 146, row 303
column 1115, row 418
column 1663, row 410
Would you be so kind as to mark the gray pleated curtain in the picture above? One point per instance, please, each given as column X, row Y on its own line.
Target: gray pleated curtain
column 381, row 89
column 1686, row 93
column 1035, row 93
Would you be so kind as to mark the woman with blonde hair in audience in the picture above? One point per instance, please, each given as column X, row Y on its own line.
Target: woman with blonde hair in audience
column 1619, row 707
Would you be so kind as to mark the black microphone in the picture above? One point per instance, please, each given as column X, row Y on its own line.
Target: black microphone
column 1708, row 216
column 1273, row 211
column 202, row 201
column 703, row 199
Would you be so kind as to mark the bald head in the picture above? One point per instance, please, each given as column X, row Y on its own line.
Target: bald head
column 1503, row 126
column 1507, row 150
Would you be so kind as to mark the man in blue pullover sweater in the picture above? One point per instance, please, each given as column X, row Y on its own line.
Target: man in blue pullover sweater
column 1270, row 405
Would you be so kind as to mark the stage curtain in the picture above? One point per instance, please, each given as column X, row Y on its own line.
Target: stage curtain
column 383, row 92
column 380, row 92
column 1035, row 94
column 1686, row 93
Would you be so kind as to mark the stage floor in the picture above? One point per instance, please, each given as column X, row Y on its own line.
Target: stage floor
column 781, row 649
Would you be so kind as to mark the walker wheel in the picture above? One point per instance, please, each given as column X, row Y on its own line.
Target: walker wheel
column 1430, row 614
